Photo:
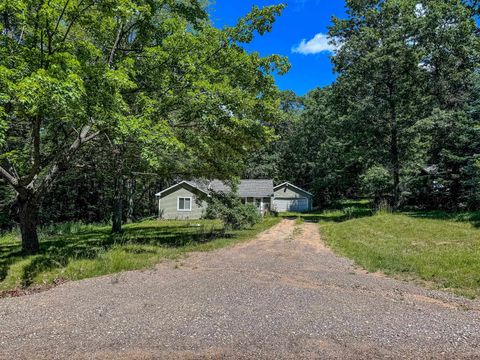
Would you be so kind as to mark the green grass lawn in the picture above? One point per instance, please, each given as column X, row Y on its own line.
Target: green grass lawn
column 441, row 250
column 72, row 252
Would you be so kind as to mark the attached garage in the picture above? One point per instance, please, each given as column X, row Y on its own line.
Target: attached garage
column 288, row 197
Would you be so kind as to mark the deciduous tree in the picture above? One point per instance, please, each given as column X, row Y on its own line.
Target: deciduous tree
column 153, row 72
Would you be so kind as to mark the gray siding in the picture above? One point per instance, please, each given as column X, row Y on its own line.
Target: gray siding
column 168, row 205
column 286, row 192
column 168, row 202
column 289, row 193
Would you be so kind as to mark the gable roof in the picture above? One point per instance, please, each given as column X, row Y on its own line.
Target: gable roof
column 184, row 182
column 286, row 183
column 246, row 188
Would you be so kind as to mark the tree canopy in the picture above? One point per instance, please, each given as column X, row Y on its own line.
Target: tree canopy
column 151, row 80
column 405, row 103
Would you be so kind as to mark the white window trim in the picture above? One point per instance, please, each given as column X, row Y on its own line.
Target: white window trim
column 178, row 203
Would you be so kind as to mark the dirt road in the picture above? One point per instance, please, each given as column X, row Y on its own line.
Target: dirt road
column 281, row 296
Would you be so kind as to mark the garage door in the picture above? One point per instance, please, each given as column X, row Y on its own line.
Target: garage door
column 295, row 205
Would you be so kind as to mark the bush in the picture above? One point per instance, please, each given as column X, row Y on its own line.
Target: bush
column 230, row 209
column 376, row 183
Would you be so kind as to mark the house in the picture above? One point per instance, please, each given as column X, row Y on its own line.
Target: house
column 188, row 199
column 288, row 197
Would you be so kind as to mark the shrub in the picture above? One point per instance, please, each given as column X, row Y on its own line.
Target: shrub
column 349, row 212
column 376, row 183
column 230, row 209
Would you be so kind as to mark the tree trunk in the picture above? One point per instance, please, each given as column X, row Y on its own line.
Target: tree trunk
column 131, row 184
column 28, row 219
column 117, row 214
column 394, row 153
column 395, row 165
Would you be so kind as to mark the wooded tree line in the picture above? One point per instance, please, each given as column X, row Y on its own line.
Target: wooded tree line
column 402, row 121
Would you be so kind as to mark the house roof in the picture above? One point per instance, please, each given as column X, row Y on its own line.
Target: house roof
column 292, row 186
column 189, row 183
column 246, row 188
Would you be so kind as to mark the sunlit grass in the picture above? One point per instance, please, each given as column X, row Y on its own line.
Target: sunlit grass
column 439, row 249
column 76, row 251
column 435, row 248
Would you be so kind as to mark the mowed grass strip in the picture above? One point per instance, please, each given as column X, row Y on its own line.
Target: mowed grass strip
column 442, row 251
column 87, row 251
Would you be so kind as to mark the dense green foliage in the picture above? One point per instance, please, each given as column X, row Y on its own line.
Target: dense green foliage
column 376, row 183
column 271, row 161
column 402, row 120
column 230, row 209
column 125, row 89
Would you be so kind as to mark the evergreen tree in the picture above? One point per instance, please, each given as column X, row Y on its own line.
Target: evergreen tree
column 404, row 64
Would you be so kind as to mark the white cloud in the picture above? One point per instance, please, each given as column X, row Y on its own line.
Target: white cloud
column 320, row 43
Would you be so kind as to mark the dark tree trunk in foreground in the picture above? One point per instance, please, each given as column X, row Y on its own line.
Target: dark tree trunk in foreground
column 30, row 190
column 28, row 219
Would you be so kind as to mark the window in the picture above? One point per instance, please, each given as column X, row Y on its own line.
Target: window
column 184, row 204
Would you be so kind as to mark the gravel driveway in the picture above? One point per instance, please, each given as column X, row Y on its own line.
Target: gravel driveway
column 282, row 295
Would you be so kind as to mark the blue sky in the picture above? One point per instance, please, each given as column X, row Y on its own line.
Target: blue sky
column 302, row 20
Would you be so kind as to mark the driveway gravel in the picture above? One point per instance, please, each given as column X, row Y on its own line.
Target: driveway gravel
column 283, row 295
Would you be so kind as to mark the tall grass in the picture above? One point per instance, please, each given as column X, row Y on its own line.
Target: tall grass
column 45, row 231
column 67, row 228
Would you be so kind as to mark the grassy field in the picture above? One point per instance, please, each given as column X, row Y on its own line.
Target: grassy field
column 73, row 251
column 438, row 249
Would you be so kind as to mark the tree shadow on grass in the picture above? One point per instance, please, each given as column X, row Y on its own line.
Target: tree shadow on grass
column 340, row 216
column 348, row 210
column 58, row 251
column 340, row 212
column 472, row 217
